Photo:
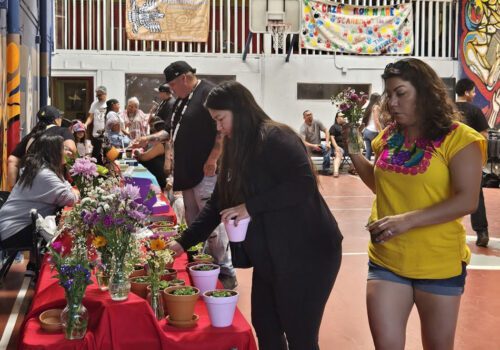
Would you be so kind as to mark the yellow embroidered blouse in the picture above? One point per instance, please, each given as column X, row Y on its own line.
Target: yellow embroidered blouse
column 418, row 177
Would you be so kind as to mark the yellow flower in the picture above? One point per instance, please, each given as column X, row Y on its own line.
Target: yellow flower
column 99, row 242
column 158, row 244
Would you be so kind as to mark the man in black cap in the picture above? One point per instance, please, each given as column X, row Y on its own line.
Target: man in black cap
column 474, row 117
column 166, row 106
column 196, row 146
column 49, row 123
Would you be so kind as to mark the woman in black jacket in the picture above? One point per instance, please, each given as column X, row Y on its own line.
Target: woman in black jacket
column 293, row 240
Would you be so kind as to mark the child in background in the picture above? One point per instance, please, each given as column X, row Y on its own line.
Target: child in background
column 115, row 137
column 83, row 146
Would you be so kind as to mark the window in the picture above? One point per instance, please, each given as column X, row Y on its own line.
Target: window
column 317, row 91
column 142, row 86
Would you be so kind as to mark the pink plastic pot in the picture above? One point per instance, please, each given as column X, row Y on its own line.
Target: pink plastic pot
column 204, row 280
column 237, row 233
column 221, row 309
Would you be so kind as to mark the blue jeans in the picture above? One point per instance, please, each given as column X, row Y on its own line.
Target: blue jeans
column 368, row 137
column 326, row 154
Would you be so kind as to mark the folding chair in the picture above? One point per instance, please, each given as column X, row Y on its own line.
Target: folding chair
column 34, row 248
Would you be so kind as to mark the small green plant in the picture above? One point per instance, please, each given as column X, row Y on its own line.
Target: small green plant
column 203, row 256
column 196, row 248
column 204, row 267
column 141, row 279
column 184, row 291
column 164, row 284
column 182, row 227
column 221, row 294
column 176, row 281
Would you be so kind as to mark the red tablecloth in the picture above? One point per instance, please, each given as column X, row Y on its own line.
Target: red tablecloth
column 128, row 324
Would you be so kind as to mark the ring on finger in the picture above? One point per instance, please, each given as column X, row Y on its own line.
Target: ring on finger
column 389, row 232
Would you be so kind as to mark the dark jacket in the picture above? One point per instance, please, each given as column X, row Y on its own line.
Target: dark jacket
column 292, row 229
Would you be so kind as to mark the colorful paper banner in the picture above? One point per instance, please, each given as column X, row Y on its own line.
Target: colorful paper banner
column 168, row 20
column 363, row 30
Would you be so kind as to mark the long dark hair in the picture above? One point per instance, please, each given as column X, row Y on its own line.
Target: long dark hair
column 249, row 129
column 374, row 100
column 109, row 105
column 434, row 107
column 46, row 152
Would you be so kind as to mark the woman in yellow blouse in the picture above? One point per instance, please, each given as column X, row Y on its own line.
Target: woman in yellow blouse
column 426, row 177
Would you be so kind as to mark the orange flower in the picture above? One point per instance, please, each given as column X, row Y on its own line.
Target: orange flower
column 99, row 242
column 158, row 244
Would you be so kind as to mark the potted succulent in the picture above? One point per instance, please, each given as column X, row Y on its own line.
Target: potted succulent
column 221, row 304
column 203, row 258
column 204, row 276
column 180, row 301
column 194, row 250
column 138, row 285
column 169, row 274
column 138, row 271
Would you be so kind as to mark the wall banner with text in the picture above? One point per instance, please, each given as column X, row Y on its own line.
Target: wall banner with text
column 168, row 20
column 363, row 30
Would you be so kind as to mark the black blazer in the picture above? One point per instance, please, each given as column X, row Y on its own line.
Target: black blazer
column 292, row 227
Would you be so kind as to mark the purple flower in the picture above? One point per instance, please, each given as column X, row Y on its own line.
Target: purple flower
column 354, row 97
column 137, row 215
column 107, row 221
column 130, row 192
column 58, row 247
column 119, row 221
column 84, row 167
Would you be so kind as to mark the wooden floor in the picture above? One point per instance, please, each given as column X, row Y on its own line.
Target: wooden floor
column 345, row 324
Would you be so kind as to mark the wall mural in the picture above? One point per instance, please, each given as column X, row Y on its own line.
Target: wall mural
column 480, row 53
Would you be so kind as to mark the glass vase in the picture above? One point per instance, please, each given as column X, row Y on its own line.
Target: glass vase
column 156, row 301
column 74, row 319
column 354, row 139
column 119, row 286
column 103, row 276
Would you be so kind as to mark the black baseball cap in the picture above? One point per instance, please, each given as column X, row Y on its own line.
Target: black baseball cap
column 177, row 68
column 164, row 88
column 48, row 114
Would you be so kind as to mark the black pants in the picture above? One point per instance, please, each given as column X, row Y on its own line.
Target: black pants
column 478, row 218
column 23, row 238
column 290, row 309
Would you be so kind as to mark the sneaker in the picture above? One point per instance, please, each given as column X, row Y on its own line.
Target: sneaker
column 326, row 172
column 482, row 239
column 19, row 258
column 229, row 282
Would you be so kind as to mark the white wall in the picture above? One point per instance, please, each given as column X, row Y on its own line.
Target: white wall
column 272, row 80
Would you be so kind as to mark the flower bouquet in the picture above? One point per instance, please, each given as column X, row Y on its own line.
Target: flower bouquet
column 84, row 172
column 157, row 257
column 115, row 215
column 74, row 276
column 351, row 103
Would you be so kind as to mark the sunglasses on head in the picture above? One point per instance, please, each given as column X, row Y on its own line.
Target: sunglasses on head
column 396, row 68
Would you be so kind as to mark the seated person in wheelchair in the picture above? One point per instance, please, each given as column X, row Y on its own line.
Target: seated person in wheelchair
column 41, row 186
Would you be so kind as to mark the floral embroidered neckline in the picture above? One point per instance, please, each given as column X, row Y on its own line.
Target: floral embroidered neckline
column 402, row 156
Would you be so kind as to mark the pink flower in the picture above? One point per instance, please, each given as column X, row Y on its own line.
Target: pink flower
column 58, row 247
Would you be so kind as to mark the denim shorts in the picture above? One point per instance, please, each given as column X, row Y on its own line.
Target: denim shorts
column 453, row 286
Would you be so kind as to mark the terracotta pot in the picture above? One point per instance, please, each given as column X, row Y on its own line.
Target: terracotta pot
column 170, row 274
column 138, row 272
column 180, row 307
column 139, row 288
column 50, row 320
